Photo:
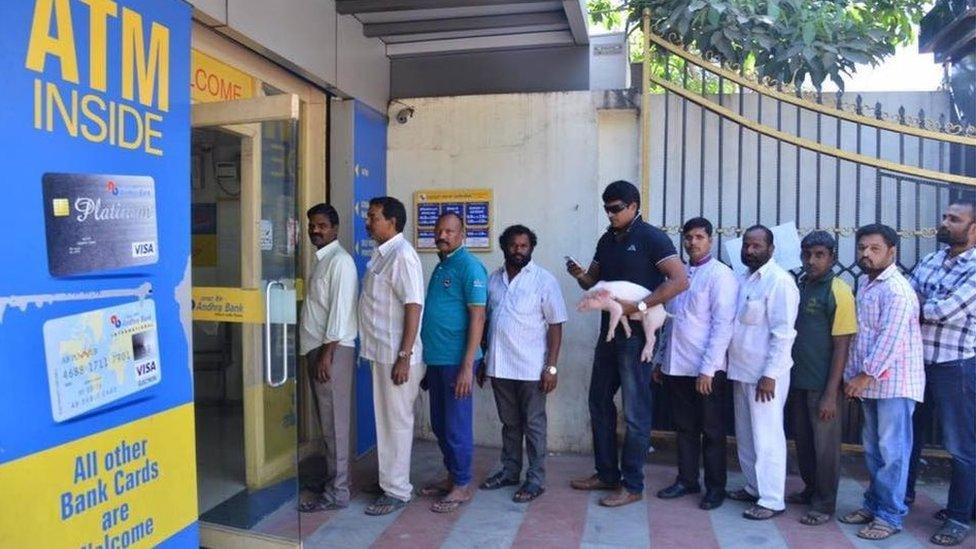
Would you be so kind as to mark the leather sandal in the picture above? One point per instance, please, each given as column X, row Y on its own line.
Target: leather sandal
column 877, row 530
column 758, row 512
column 861, row 516
column 951, row 533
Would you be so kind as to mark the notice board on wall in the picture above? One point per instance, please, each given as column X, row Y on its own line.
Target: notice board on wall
column 473, row 205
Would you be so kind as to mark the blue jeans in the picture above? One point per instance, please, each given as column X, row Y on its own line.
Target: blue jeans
column 953, row 386
column 617, row 365
column 451, row 420
column 887, row 438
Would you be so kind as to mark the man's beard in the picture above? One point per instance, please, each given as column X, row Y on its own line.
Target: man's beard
column 517, row 260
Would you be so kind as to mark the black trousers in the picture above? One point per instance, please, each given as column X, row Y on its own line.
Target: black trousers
column 700, row 422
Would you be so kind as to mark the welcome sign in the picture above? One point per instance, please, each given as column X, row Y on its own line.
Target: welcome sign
column 96, row 405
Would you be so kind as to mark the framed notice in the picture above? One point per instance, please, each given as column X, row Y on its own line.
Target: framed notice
column 473, row 205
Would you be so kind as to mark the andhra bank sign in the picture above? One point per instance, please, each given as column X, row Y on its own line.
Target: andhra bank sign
column 102, row 73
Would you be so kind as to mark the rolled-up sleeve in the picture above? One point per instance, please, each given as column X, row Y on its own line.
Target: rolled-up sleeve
column 724, row 290
column 782, row 306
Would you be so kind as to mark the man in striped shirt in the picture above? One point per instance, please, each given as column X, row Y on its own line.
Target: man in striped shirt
column 389, row 322
column 885, row 372
column 946, row 285
column 526, row 313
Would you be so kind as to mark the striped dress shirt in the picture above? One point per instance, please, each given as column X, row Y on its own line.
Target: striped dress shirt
column 947, row 287
column 520, row 312
column 394, row 278
column 888, row 343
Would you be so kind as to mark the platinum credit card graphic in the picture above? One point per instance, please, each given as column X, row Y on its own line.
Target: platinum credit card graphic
column 99, row 222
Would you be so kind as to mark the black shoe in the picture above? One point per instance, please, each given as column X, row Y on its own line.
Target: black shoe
column 712, row 500
column 677, row 490
column 498, row 480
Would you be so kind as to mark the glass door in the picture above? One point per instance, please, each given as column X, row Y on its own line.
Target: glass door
column 245, row 236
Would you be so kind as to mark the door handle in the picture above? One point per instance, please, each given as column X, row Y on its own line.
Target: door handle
column 268, row 375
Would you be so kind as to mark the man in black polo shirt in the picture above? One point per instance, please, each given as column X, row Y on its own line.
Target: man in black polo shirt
column 634, row 251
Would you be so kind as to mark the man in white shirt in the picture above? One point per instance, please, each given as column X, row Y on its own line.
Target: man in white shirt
column 526, row 313
column 328, row 341
column 692, row 360
column 389, row 322
column 759, row 363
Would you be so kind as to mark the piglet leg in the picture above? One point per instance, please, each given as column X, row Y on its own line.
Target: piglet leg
column 616, row 312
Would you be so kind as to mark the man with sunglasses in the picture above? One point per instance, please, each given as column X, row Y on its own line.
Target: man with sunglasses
column 634, row 251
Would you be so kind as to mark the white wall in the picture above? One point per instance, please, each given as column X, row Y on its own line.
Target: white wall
column 309, row 37
column 538, row 153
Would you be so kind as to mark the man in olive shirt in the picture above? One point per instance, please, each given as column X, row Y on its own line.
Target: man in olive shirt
column 825, row 325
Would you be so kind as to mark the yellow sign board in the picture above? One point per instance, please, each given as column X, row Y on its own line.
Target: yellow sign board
column 127, row 486
column 228, row 305
column 472, row 205
column 214, row 80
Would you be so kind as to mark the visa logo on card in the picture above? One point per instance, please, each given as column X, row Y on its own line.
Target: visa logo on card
column 99, row 222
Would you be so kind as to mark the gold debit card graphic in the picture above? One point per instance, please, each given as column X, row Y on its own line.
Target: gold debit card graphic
column 61, row 207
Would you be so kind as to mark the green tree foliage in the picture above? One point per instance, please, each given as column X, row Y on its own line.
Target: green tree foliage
column 785, row 40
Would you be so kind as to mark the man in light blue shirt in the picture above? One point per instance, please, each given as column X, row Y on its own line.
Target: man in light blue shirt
column 453, row 323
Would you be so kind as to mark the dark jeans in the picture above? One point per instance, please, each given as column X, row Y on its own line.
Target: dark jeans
column 952, row 386
column 451, row 421
column 522, row 411
column 817, row 447
column 700, row 424
column 617, row 365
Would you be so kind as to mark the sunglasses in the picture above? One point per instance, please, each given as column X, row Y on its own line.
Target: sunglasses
column 615, row 208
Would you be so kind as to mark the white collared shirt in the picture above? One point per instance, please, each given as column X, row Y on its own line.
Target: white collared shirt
column 329, row 311
column 394, row 278
column 700, row 329
column 520, row 313
column 763, row 330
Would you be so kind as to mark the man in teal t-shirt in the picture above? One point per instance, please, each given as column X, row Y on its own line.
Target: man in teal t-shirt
column 454, row 319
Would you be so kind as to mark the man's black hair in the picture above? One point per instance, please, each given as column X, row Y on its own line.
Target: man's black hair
column 392, row 208
column 765, row 230
column 327, row 210
column 889, row 235
column 511, row 232
column 624, row 191
column 697, row 223
column 451, row 214
column 820, row 238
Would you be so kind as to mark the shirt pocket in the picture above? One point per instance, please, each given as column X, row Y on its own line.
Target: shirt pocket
column 753, row 312
column 526, row 303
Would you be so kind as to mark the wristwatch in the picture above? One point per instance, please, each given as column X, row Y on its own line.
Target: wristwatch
column 404, row 354
column 551, row 370
column 641, row 306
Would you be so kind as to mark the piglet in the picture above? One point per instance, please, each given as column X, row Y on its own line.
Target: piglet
column 603, row 296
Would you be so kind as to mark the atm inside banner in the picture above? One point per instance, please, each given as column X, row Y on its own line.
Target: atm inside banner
column 96, row 404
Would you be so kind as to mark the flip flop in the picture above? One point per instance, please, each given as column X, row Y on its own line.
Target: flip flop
column 861, row 516
column 814, row 518
column 447, row 505
column 877, row 530
column 384, row 505
column 318, row 505
column 758, row 512
column 951, row 533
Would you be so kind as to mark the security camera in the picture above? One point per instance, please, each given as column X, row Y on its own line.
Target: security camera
column 404, row 114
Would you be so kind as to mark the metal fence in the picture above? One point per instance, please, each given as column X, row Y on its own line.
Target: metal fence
column 738, row 150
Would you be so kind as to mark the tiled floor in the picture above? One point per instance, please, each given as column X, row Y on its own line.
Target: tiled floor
column 563, row 517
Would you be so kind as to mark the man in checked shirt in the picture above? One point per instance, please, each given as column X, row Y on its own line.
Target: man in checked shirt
column 885, row 372
column 945, row 282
